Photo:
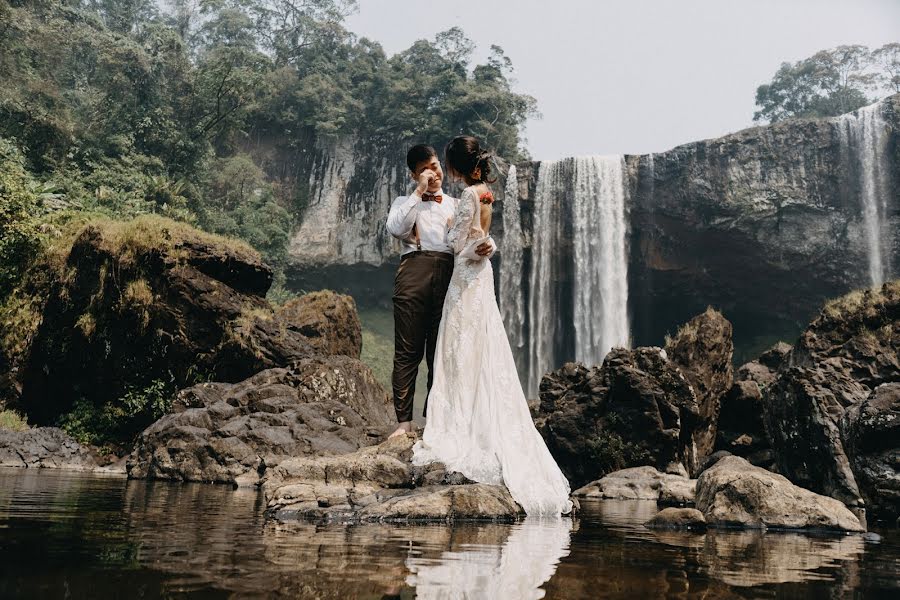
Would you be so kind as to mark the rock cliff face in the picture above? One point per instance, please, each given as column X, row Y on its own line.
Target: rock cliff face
column 764, row 225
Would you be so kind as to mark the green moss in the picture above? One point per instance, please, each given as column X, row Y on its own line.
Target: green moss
column 129, row 239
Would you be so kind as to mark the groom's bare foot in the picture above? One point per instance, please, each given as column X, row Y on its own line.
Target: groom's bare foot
column 404, row 428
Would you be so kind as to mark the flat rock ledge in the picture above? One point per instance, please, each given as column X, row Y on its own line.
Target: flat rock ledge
column 230, row 433
column 640, row 483
column 734, row 493
column 379, row 483
column 48, row 448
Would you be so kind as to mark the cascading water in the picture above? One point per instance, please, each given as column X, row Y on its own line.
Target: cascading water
column 590, row 192
column 511, row 297
column 543, row 306
column 865, row 134
column 601, row 265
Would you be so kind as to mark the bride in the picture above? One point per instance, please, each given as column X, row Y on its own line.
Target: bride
column 478, row 419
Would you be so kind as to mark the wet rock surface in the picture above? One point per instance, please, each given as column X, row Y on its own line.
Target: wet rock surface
column 379, row 483
column 734, row 493
column 230, row 433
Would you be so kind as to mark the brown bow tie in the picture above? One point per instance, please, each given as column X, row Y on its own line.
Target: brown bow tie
column 426, row 197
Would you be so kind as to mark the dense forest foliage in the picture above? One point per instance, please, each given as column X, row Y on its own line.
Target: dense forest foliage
column 830, row 83
column 124, row 107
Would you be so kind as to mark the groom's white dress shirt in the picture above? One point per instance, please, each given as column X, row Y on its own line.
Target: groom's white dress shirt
column 432, row 220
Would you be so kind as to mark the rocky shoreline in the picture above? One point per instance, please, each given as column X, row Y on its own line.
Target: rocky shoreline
column 802, row 438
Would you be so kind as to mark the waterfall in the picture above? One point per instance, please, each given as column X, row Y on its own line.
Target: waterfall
column 601, row 265
column 543, row 307
column 592, row 312
column 511, row 296
column 865, row 135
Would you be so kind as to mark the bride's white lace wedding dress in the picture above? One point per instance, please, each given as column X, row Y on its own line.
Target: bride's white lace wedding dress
column 478, row 421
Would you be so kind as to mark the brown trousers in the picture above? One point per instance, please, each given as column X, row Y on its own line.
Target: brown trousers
column 419, row 290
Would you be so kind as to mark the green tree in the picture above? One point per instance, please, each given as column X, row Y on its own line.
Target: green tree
column 888, row 60
column 829, row 83
column 20, row 234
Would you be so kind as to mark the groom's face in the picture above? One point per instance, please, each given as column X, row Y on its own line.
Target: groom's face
column 434, row 165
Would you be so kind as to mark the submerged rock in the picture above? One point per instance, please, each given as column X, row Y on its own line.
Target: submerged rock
column 734, row 493
column 640, row 483
column 44, row 447
column 230, row 433
column 677, row 518
column 378, row 483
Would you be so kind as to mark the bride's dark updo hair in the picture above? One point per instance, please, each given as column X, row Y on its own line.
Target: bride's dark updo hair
column 464, row 156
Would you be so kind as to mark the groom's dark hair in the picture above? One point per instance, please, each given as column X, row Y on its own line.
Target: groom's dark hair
column 419, row 154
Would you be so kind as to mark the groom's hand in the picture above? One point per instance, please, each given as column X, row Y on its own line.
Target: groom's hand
column 484, row 249
column 425, row 179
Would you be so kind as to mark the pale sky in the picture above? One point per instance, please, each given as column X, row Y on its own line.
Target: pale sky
column 636, row 76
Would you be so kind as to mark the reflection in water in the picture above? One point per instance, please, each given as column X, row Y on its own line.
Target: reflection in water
column 748, row 558
column 515, row 569
column 80, row 535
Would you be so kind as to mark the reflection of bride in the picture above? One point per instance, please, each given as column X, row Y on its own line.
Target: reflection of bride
column 516, row 569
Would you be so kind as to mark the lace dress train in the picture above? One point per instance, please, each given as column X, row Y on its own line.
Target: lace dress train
column 478, row 419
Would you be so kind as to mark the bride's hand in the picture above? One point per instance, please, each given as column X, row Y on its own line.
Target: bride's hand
column 484, row 249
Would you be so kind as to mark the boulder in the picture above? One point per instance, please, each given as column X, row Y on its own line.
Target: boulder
column 327, row 320
column 229, row 433
column 872, row 431
column 640, row 483
column 803, row 411
column 144, row 304
column 734, row 493
column 637, row 408
column 44, row 447
column 848, row 350
column 378, row 483
column 702, row 349
column 677, row 518
column 569, row 418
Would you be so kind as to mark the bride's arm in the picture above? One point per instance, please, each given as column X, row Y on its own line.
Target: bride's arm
column 462, row 221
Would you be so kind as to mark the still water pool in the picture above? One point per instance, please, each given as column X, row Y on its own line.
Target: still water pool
column 72, row 535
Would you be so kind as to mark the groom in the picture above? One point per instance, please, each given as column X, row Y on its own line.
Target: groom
column 420, row 221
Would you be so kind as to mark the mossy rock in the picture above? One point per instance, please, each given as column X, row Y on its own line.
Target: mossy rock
column 148, row 304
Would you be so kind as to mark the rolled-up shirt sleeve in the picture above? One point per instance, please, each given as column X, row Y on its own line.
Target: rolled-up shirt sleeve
column 402, row 216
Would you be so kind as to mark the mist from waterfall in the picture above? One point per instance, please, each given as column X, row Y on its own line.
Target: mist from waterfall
column 864, row 134
column 601, row 265
column 511, row 293
column 591, row 193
